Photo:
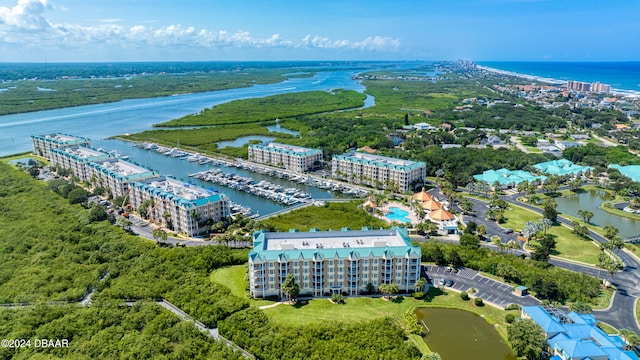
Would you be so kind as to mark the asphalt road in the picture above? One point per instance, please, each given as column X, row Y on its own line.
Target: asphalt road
column 621, row 314
column 489, row 290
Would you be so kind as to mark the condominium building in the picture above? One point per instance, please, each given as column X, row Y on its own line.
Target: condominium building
column 42, row 144
column 377, row 171
column 328, row 262
column 117, row 174
column 76, row 158
column 180, row 206
column 294, row 158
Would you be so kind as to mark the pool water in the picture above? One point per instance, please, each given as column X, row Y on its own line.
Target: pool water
column 397, row 214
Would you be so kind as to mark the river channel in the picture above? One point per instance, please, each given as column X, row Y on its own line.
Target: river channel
column 136, row 115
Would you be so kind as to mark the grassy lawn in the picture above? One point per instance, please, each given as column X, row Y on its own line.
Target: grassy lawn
column 569, row 245
column 365, row 309
column 233, row 277
column 607, row 328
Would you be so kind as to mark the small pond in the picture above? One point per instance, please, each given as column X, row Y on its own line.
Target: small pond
column 459, row 334
column 241, row 141
column 278, row 128
column 591, row 200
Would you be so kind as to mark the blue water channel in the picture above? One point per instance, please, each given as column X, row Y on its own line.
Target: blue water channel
column 136, row 115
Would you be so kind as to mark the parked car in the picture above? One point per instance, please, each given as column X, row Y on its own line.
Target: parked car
column 508, row 230
column 449, row 283
column 441, row 282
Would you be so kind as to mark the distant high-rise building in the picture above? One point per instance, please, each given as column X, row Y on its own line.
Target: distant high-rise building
column 600, row 88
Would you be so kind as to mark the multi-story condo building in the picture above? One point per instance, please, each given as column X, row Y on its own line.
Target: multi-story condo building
column 42, row 144
column 76, row 158
column 117, row 174
column 377, row 171
column 180, row 206
column 294, row 158
column 328, row 262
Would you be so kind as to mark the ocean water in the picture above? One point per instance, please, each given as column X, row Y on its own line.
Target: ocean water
column 620, row 75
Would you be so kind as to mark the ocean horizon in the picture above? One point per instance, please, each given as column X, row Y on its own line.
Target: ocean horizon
column 621, row 75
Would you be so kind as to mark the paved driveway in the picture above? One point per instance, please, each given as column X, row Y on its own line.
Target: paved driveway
column 489, row 290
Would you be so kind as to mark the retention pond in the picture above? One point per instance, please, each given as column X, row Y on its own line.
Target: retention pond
column 460, row 334
column 591, row 200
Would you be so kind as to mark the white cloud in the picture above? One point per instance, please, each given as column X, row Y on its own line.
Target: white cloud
column 28, row 15
column 27, row 25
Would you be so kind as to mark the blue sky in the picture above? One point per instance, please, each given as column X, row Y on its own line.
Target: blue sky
column 196, row 30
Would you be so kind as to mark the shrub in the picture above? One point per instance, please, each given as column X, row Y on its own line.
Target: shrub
column 337, row 298
column 512, row 307
column 418, row 295
column 509, row 318
column 464, row 296
column 478, row 302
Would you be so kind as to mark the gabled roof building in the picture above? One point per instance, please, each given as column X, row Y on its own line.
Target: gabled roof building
column 328, row 262
column 573, row 336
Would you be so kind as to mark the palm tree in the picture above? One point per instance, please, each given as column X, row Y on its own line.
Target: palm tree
column 420, row 283
column 431, row 356
column 610, row 231
column 546, row 224
column 630, row 337
column 586, row 215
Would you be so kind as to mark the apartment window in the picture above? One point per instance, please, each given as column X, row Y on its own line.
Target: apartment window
column 365, row 276
column 330, row 270
column 399, row 267
column 375, row 276
column 271, row 272
column 375, row 268
column 306, row 263
column 306, row 284
column 306, row 271
column 270, row 264
column 340, row 262
column 295, row 271
column 306, row 277
column 340, row 269
column 340, row 277
column 330, row 277
column 366, row 261
column 375, row 261
column 271, row 278
column 330, row 262
column 366, row 268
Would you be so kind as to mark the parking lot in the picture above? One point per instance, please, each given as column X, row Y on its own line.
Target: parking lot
column 489, row 290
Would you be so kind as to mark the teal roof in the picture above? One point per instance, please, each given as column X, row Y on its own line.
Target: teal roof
column 260, row 245
column 562, row 167
column 381, row 161
column 630, row 171
column 292, row 150
column 175, row 198
column 507, row 177
column 71, row 140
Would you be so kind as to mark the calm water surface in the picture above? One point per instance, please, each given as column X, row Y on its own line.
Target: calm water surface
column 458, row 334
column 591, row 200
column 131, row 116
column 181, row 168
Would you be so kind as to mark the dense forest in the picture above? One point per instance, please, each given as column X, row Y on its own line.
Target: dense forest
column 270, row 108
column 66, row 255
column 377, row 339
column 107, row 331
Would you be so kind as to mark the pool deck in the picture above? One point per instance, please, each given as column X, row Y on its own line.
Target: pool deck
column 386, row 209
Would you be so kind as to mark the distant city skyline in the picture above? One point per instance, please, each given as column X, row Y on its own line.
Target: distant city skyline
column 194, row 30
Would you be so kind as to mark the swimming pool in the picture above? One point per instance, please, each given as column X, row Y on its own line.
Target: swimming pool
column 397, row 214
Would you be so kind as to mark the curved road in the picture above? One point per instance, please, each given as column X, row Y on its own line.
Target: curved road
column 621, row 313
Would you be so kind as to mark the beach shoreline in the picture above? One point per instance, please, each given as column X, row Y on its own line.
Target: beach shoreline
column 551, row 81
